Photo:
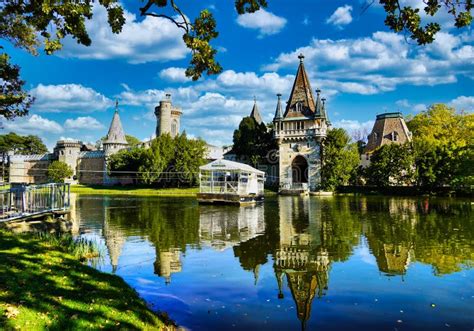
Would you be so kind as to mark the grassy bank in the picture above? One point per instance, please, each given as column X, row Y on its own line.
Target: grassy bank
column 42, row 287
column 134, row 190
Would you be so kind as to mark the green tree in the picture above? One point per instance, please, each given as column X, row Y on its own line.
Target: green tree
column 252, row 141
column 391, row 164
column 443, row 142
column 189, row 156
column 132, row 141
column 340, row 159
column 58, row 171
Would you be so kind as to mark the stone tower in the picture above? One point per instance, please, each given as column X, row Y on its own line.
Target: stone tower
column 299, row 131
column 68, row 151
column 115, row 139
column 168, row 118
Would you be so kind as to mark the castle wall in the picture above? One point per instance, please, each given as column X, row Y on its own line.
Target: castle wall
column 311, row 150
column 91, row 170
column 29, row 169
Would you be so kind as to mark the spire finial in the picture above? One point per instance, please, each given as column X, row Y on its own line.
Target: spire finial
column 318, row 92
column 324, row 101
column 254, row 99
column 279, row 96
column 116, row 105
column 301, row 57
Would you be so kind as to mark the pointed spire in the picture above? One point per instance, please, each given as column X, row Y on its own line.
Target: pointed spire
column 323, row 110
column 278, row 112
column 116, row 135
column 319, row 105
column 255, row 114
column 301, row 91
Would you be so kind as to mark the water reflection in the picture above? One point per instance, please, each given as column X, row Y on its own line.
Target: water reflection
column 300, row 239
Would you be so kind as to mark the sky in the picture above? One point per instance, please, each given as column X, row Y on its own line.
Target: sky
column 362, row 68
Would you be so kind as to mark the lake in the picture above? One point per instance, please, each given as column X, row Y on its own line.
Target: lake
column 336, row 263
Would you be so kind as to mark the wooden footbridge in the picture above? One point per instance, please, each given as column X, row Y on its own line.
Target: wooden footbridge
column 24, row 202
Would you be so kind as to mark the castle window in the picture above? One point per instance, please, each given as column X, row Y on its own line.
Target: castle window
column 174, row 128
column 395, row 136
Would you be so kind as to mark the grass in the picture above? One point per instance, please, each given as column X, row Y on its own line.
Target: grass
column 81, row 248
column 134, row 190
column 44, row 287
column 139, row 190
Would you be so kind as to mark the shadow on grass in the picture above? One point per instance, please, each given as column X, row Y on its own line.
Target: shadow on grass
column 50, row 289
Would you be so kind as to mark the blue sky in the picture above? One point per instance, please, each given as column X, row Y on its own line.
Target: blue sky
column 362, row 68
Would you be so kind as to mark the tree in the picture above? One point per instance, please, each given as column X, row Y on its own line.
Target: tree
column 339, row 160
column 391, row 164
column 189, row 157
column 58, row 171
column 252, row 141
column 13, row 100
column 443, row 142
column 132, row 141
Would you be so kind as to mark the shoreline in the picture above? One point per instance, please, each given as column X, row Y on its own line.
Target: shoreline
column 43, row 287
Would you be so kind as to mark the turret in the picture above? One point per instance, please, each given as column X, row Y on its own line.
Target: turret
column 255, row 114
column 167, row 117
column 115, row 139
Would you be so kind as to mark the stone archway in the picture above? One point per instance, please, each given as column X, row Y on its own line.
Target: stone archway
column 299, row 169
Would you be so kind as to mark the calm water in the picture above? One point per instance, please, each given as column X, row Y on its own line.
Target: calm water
column 327, row 264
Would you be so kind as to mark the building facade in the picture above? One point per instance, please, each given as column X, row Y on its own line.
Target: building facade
column 389, row 128
column 299, row 130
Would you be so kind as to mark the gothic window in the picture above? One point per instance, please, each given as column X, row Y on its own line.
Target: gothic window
column 174, row 128
column 299, row 106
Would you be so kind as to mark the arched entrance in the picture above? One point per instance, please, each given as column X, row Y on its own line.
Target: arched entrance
column 299, row 169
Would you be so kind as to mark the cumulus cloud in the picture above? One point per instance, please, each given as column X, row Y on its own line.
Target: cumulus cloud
column 68, row 98
column 173, row 74
column 463, row 103
column 34, row 124
column 83, row 123
column 265, row 22
column 151, row 39
column 405, row 104
column 356, row 129
column 342, row 16
column 381, row 62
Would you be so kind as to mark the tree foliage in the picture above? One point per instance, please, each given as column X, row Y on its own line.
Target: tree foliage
column 443, row 143
column 391, row 164
column 252, row 141
column 58, row 171
column 170, row 161
column 24, row 145
column 14, row 101
column 409, row 19
column 340, row 159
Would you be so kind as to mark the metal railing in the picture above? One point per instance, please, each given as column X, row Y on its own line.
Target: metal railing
column 22, row 201
column 219, row 187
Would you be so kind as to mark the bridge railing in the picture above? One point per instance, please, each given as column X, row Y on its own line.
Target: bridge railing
column 23, row 201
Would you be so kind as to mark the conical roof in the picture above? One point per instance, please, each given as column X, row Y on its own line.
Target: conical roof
column 278, row 111
column 301, row 92
column 116, row 135
column 255, row 114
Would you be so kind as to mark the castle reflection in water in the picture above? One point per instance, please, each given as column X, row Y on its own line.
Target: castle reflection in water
column 303, row 236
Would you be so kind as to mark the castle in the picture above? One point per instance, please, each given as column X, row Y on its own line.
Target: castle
column 89, row 165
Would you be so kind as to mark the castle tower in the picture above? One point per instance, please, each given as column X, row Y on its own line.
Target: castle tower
column 299, row 132
column 389, row 128
column 255, row 114
column 68, row 151
column 115, row 139
column 168, row 118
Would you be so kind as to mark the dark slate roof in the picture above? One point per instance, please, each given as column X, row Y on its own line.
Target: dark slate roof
column 278, row 111
column 301, row 92
column 116, row 135
column 255, row 114
column 384, row 127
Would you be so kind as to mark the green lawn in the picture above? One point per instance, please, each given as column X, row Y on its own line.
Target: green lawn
column 134, row 190
column 42, row 287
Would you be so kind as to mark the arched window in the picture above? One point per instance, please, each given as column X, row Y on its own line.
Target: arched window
column 174, row 128
column 395, row 136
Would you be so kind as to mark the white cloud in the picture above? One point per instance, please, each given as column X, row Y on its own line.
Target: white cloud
column 83, row 123
column 68, row 98
column 381, row 62
column 356, row 129
column 342, row 16
column 151, row 39
column 404, row 103
column 463, row 103
column 174, row 74
column 265, row 22
column 34, row 124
